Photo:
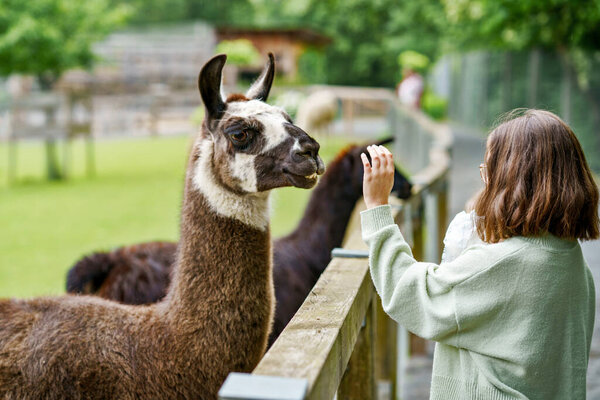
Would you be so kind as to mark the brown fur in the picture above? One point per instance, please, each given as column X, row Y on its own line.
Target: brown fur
column 215, row 318
column 298, row 258
column 236, row 97
column 85, row 347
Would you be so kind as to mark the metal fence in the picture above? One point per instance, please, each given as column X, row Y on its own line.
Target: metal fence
column 483, row 85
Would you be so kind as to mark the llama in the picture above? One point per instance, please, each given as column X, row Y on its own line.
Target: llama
column 139, row 274
column 135, row 274
column 218, row 310
column 317, row 112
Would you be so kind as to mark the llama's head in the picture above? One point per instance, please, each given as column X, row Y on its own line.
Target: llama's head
column 247, row 147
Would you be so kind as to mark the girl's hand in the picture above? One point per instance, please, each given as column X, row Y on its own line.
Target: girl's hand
column 379, row 177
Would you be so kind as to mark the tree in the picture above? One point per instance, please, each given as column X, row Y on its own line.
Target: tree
column 212, row 11
column 518, row 25
column 46, row 37
column 239, row 52
column 367, row 35
column 568, row 28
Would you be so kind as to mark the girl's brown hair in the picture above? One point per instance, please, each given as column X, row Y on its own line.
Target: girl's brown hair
column 538, row 181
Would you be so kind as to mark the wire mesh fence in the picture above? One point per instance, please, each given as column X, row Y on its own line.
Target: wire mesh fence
column 484, row 85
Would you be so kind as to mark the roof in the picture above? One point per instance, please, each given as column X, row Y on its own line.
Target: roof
column 298, row 34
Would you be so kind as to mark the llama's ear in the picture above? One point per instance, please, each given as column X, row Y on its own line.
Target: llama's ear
column 209, row 84
column 261, row 88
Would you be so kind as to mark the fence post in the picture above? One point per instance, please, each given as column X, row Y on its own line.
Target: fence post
column 534, row 76
column 402, row 335
column 432, row 253
column 506, row 97
column 565, row 93
column 442, row 219
column 386, row 351
column 12, row 160
column 90, row 162
column 417, row 344
column 348, row 115
column 358, row 382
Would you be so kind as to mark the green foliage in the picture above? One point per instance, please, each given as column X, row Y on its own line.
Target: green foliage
column 312, row 66
column 239, row 52
column 434, row 106
column 216, row 12
column 46, row 37
column 221, row 12
column 517, row 25
column 154, row 11
column 413, row 60
column 367, row 35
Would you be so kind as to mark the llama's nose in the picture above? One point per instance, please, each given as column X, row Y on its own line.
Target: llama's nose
column 305, row 153
column 305, row 148
column 309, row 150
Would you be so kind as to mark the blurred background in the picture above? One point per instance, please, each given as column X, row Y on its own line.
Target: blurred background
column 98, row 98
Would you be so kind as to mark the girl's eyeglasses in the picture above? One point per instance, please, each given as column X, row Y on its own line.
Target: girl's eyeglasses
column 483, row 173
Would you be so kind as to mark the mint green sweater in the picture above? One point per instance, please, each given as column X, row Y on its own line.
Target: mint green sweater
column 512, row 320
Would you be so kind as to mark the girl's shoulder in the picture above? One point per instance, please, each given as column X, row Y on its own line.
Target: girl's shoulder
column 545, row 242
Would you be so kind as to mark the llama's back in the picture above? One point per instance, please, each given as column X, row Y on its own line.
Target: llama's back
column 136, row 274
column 13, row 326
column 89, row 347
column 63, row 347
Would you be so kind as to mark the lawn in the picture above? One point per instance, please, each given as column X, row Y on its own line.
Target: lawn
column 135, row 196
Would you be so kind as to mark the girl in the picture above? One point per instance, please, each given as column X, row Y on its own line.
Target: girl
column 512, row 315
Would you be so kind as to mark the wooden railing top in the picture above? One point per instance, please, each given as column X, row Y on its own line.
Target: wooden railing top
column 317, row 342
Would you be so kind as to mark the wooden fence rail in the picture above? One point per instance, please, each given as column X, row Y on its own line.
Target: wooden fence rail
column 340, row 342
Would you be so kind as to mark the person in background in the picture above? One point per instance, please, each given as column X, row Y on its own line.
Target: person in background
column 513, row 313
column 411, row 88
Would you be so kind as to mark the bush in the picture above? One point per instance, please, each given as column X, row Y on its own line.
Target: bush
column 434, row 106
column 239, row 52
column 311, row 66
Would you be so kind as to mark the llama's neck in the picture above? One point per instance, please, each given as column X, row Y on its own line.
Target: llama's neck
column 326, row 217
column 222, row 290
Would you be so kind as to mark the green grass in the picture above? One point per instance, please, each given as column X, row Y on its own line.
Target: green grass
column 134, row 197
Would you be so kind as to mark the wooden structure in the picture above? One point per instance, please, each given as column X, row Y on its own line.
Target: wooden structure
column 340, row 340
column 135, row 58
column 52, row 118
column 287, row 45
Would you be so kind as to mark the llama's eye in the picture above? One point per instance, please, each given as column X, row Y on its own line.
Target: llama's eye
column 240, row 137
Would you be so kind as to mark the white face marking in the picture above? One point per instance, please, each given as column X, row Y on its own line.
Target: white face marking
column 251, row 209
column 296, row 146
column 270, row 116
column 242, row 167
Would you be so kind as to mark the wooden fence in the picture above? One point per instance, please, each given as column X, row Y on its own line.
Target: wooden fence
column 51, row 117
column 340, row 342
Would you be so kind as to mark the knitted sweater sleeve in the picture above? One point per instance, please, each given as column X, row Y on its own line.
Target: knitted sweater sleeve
column 423, row 296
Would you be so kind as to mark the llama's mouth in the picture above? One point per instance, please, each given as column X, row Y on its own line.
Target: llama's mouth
column 301, row 181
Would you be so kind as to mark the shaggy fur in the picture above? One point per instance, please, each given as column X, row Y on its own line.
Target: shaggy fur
column 298, row 258
column 136, row 274
column 215, row 317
